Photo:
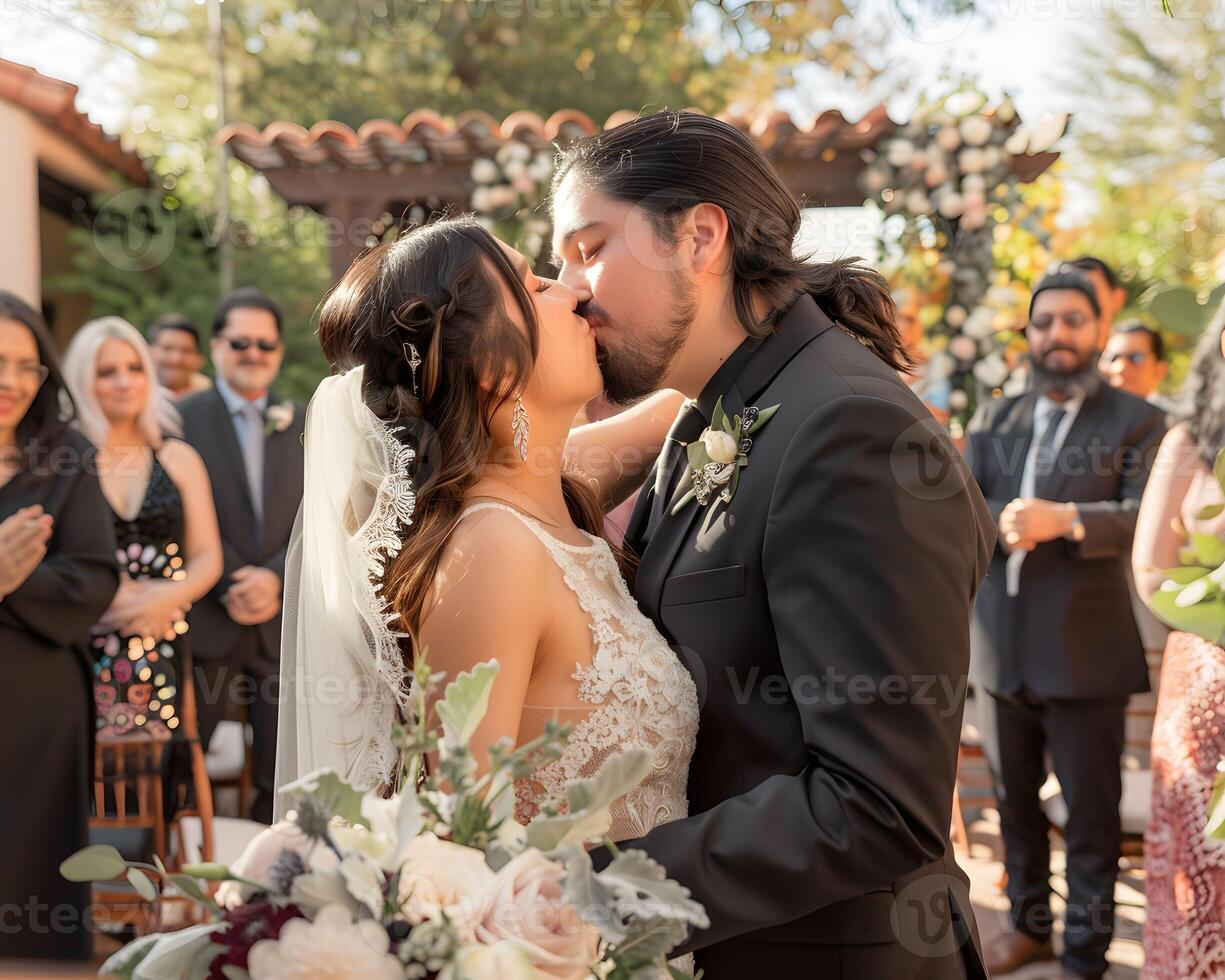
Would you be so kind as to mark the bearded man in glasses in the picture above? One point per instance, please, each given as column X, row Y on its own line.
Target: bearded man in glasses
column 251, row 443
column 1055, row 652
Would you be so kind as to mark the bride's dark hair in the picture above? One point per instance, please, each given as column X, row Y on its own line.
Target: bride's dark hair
column 437, row 287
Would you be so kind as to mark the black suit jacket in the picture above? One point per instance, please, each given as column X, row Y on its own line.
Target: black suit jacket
column 208, row 427
column 1070, row 632
column 824, row 614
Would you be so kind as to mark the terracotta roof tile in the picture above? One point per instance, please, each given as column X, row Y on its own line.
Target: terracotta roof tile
column 425, row 134
column 54, row 102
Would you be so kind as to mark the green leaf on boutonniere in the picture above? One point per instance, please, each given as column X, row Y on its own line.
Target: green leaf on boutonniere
column 698, row 457
column 762, row 418
column 718, row 418
column 1209, row 511
column 1218, row 469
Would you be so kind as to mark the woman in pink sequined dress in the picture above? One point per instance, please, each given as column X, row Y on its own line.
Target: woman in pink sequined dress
column 1184, row 935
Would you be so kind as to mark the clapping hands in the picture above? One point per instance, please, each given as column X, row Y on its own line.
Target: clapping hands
column 145, row 608
column 23, row 545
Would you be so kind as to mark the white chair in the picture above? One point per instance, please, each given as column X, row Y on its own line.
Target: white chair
column 231, row 836
column 228, row 761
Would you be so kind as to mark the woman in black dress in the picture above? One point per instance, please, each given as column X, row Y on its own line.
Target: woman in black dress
column 57, row 576
column 168, row 546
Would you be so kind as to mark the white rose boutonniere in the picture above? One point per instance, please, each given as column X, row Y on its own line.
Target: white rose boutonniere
column 718, row 456
column 278, row 418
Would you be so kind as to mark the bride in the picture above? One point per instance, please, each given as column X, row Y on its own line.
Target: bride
column 441, row 516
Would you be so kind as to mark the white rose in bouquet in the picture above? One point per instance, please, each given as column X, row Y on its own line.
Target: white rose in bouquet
column 526, row 905
column 501, row 961
column 331, row 946
column 438, row 874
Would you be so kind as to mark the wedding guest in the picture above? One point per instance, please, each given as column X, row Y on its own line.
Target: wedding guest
column 1184, row 933
column 251, row 444
column 1111, row 297
column 1054, row 645
column 57, row 576
column 165, row 528
column 174, row 343
column 1134, row 360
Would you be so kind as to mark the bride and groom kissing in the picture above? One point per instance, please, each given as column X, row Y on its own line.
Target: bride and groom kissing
column 789, row 528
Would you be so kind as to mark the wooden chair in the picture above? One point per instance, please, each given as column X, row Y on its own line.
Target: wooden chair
column 129, row 811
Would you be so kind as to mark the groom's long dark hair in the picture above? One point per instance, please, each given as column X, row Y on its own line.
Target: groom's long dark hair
column 669, row 162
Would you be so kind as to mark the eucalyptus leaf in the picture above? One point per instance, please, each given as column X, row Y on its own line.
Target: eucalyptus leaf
column 644, row 890
column 192, row 890
column 1209, row 511
column 697, row 454
column 1185, row 575
column 587, row 895
column 718, row 418
column 98, row 862
column 208, row 871
column 123, row 963
column 648, row 940
column 172, row 954
column 144, row 887
column 589, row 800
column 332, row 793
column 465, row 702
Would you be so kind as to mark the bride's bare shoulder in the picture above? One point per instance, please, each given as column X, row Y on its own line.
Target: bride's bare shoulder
column 492, row 556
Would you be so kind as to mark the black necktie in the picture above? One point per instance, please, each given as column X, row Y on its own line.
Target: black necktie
column 689, row 424
column 1044, row 458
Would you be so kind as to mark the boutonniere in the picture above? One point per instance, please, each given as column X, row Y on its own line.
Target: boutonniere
column 718, row 455
column 278, row 418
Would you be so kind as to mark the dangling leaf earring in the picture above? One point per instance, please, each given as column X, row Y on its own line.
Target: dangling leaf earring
column 414, row 362
column 521, row 427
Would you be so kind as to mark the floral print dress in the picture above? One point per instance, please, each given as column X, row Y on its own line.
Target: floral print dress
column 136, row 681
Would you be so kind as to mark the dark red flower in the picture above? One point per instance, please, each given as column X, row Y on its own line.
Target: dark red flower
column 247, row 925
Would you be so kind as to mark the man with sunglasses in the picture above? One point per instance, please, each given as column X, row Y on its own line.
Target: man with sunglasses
column 1134, row 361
column 1055, row 652
column 251, row 443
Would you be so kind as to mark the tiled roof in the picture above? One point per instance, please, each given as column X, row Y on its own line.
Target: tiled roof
column 425, row 135
column 54, row 102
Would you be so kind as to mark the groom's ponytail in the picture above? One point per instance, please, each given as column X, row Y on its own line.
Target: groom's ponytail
column 670, row 162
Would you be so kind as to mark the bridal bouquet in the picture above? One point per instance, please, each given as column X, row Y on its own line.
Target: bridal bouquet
column 438, row 881
column 1192, row 597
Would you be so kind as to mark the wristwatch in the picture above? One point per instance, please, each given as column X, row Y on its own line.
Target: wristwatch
column 1077, row 531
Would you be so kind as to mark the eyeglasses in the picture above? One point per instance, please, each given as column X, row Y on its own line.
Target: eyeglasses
column 1134, row 358
column 241, row 344
column 1047, row 320
column 27, row 373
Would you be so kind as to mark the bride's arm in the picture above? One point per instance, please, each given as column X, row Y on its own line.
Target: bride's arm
column 487, row 603
column 615, row 454
column 1156, row 543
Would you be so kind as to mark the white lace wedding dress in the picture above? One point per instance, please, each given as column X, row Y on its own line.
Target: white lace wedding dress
column 629, row 690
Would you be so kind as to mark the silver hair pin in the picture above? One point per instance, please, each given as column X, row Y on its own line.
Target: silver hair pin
column 414, row 361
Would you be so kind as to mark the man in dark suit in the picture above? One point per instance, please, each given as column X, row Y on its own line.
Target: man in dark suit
column 1056, row 650
column 824, row 609
column 252, row 445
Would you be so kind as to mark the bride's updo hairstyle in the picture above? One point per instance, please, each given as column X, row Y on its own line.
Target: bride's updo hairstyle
column 437, row 287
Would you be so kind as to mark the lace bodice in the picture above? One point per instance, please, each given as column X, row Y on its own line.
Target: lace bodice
column 632, row 690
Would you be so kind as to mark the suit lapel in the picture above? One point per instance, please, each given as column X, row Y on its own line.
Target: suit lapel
column 1013, row 440
column 799, row 326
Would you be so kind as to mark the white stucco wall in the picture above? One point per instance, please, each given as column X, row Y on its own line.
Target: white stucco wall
column 19, row 243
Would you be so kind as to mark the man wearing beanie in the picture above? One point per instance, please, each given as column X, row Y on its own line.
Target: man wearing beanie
column 1054, row 648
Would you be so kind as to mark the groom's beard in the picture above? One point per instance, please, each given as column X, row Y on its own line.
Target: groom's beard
column 633, row 358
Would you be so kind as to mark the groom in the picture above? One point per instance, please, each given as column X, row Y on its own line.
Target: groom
column 824, row 611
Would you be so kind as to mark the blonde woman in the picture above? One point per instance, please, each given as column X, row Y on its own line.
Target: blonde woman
column 165, row 527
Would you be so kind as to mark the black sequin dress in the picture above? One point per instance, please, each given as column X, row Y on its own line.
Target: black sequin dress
column 136, row 682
